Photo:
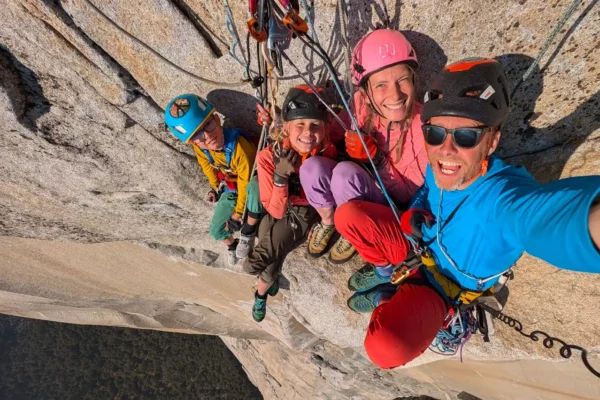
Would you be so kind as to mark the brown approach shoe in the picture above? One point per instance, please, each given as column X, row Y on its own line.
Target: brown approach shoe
column 341, row 252
column 319, row 239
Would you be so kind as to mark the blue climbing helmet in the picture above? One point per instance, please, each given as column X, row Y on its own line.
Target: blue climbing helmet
column 185, row 114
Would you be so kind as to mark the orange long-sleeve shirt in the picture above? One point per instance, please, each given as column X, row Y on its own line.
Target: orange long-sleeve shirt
column 274, row 198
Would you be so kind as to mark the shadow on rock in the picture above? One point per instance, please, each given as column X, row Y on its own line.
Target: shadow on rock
column 239, row 109
column 521, row 141
column 23, row 89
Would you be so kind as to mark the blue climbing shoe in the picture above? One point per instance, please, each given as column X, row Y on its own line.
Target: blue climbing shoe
column 364, row 302
column 274, row 289
column 259, row 309
column 366, row 278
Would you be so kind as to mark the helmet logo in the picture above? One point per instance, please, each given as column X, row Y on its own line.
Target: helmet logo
column 180, row 129
column 179, row 108
column 387, row 50
column 487, row 93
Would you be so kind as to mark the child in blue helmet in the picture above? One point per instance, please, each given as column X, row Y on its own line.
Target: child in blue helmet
column 226, row 157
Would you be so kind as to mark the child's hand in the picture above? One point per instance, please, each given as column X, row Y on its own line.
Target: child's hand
column 287, row 162
column 263, row 115
column 211, row 196
column 234, row 224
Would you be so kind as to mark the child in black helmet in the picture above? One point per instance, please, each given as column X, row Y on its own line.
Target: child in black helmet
column 304, row 134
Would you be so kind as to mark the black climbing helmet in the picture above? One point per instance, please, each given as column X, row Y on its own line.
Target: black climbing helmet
column 301, row 102
column 474, row 88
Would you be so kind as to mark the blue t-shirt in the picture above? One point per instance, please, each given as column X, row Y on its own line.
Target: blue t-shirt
column 503, row 214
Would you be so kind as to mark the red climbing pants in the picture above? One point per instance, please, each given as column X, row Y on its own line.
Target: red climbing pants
column 401, row 329
column 373, row 231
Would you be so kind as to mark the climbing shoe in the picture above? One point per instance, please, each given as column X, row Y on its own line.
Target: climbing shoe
column 366, row 278
column 259, row 309
column 365, row 302
column 341, row 251
column 244, row 247
column 274, row 289
column 319, row 239
column 231, row 254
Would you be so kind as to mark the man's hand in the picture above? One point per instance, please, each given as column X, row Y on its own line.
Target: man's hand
column 211, row 196
column 412, row 222
column 285, row 164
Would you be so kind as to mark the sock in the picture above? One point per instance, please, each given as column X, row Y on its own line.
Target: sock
column 384, row 270
column 261, row 296
column 248, row 230
column 382, row 296
column 233, row 245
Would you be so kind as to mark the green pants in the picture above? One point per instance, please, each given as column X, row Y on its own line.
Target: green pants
column 226, row 205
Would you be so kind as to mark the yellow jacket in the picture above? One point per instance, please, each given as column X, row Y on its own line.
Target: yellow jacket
column 240, row 166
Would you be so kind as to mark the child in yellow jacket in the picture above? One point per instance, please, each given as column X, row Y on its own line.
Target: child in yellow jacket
column 226, row 157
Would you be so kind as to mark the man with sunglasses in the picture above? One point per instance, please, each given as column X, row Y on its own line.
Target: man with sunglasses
column 226, row 157
column 475, row 215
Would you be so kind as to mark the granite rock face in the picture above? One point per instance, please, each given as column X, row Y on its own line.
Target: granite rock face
column 101, row 209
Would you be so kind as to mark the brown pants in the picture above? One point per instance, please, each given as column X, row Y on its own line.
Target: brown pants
column 276, row 238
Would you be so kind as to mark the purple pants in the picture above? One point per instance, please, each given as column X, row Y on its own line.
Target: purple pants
column 328, row 183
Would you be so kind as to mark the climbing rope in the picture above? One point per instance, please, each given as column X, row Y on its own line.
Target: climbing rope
column 309, row 20
column 349, row 85
column 150, row 49
column 452, row 338
column 232, row 29
column 315, row 91
column 568, row 13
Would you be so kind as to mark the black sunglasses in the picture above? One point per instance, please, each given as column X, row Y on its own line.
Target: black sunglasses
column 208, row 127
column 467, row 138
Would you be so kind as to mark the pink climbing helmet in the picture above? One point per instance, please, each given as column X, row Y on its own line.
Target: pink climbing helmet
column 380, row 49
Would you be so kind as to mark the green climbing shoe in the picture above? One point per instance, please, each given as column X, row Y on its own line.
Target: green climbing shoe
column 366, row 278
column 274, row 289
column 364, row 302
column 259, row 309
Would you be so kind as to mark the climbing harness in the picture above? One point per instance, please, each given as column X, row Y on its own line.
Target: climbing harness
column 157, row 54
column 230, row 139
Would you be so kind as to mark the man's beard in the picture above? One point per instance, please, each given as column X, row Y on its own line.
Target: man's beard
column 466, row 176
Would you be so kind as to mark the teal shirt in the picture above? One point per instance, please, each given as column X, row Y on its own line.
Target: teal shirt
column 503, row 214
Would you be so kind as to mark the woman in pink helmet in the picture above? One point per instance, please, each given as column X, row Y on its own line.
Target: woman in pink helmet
column 384, row 70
